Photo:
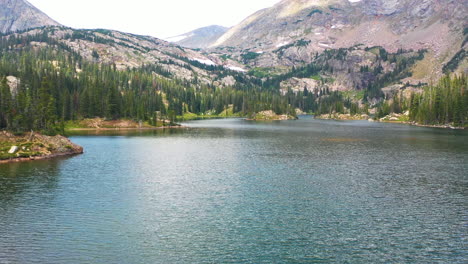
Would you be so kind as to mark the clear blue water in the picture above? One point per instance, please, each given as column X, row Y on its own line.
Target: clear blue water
column 234, row 191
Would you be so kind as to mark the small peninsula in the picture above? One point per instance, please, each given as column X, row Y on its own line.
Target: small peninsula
column 117, row 124
column 34, row 146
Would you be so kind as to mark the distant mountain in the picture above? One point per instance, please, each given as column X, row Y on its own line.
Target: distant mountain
column 20, row 14
column 293, row 31
column 199, row 38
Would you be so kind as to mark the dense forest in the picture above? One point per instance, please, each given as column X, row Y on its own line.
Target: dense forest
column 55, row 85
column 444, row 103
column 51, row 84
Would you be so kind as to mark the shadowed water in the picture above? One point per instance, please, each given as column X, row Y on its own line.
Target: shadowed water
column 234, row 191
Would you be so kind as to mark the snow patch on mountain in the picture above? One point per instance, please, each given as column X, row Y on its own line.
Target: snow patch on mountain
column 207, row 62
column 234, row 68
column 178, row 38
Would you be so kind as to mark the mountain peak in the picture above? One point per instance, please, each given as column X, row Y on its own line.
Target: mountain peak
column 199, row 38
column 20, row 14
column 292, row 7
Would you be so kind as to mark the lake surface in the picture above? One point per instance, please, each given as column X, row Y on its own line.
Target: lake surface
column 235, row 191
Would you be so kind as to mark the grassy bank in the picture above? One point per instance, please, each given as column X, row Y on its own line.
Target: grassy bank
column 227, row 113
column 120, row 124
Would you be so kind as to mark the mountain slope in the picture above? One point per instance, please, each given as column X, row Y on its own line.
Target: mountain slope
column 337, row 23
column 20, row 15
column 297, row 29
column 199, row 38
column 129, row 51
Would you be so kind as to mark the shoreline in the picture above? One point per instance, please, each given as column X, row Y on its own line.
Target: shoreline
column 269, row 115
column 44, row 157
column 446, row 126
column 34, row 146
column 269, row 120
column 123, row 128
column 420, row 125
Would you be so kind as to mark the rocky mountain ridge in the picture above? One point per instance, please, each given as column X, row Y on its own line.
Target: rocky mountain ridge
column 338, row 23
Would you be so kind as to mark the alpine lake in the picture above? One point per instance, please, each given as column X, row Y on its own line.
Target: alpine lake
column 238, row 191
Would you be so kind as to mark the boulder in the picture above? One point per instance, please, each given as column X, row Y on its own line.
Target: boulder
column 13, row 149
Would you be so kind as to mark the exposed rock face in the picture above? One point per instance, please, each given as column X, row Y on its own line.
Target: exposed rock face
column 299, row 84
column 20, row 14
column 324, row 22
column 13, row 83
column 299, row 28
column 199, row 38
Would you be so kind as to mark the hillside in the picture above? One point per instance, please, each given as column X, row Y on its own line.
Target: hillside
column 301, row 28
column 125, row 50
column 20, row 15
column 55, row 74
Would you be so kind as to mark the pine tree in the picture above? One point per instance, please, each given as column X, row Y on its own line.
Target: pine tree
column 5, row 104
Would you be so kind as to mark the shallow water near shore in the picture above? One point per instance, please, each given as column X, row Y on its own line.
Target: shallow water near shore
column 237, row 191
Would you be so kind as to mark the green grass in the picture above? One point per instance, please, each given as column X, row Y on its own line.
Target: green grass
column 4, row 156
column 404, row 118
column 225, row 57
column 25, row 149
column 262, row 117
column 375, row 50
column 225, row 114
column 401, row 118
column 73, row 124
column 354, row 95
column 261, row 72
column 316, row 77
column 188, row 116
column 250, row 56
column 229, row 113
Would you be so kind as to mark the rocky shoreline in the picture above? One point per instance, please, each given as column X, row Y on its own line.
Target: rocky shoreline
column 34, row 146
column 447, row 126
column 393, row 118
column 342, row 117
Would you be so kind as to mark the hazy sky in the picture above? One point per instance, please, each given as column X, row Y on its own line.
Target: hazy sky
column 159, row 18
